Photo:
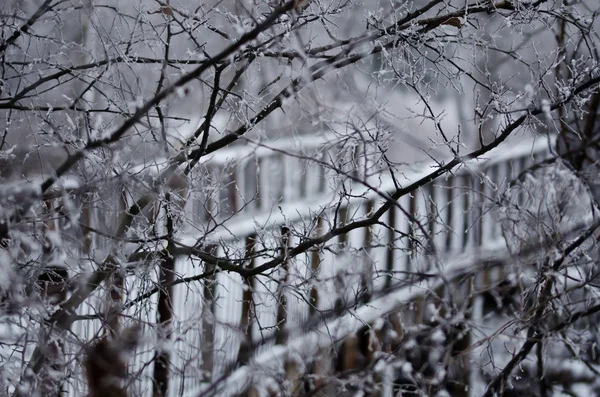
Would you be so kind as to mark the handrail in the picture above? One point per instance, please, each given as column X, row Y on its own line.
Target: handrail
column 291, row 211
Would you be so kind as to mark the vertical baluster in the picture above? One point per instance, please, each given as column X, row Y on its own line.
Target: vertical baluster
column 85, row 220
column 476, row 384
column 183, row 342
column 197, row 199
column 94, row 221
column 439, row 214
column 224, row 180
column 290, row 181
column 145, row 315
column 406, row 220
column 492, row 188
column 292, row 311
column 302, row 272
column 471, row 212
column 343, row 160
column 420, row 226
column 343, row 260
column 390, row 242
column 228, row 297
column 451, row 214
column 465, row 184
column 283, row 303
column 328, row 292
column 271, row 180
column 329, row 156
column 485, row 192
column 212, row 197
column 457, row 219
column 262, row 184
column 277, row 181
column 361, row 266
column 265, row 297
column 502, row 183
column 342, row 217
column 369, row 238
column 322, row 172
column 241, row 182
column 399, row 240
column 315, row 264
column 517, row 166
column 316, row 178
column 246, row 317
column 251, row 185
column 233, row 188
column 311, row 180
column 377, row 252
column 476, row 211
column 207, row 318
column 302, row 171
column 357, row 161
column 429, row 214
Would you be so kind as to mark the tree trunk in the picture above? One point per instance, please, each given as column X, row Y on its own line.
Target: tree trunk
column 162, row 357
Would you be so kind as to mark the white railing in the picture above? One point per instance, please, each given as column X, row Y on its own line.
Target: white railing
column 262, row 190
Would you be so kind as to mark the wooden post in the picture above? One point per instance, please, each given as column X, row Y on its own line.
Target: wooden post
column 281, row 335
column 367, row 270
column 412, row 210
column 208, row 319
column 247, row 300
column 116, row 283
column 389, row 267
column 315, row 263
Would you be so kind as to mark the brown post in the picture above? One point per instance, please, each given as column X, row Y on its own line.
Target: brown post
column 315, row 263
column 281, row 298
column 389, row 262
column 367, row 271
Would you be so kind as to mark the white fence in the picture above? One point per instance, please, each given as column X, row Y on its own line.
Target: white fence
column 266, row 191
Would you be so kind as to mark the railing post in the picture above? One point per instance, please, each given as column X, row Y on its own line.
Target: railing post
column 282, row 304
column 247, row 301
column 391, row 234
column 476, row 385
column 438, row 216
column 416, row 198
column 503, row 177
column 208, row 319
column 487, row 189
column 476, row 209
column 368, row 271
column 315, row 264
column 467, row 205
